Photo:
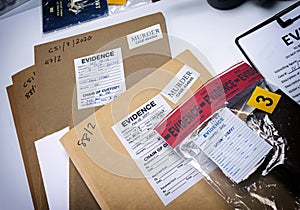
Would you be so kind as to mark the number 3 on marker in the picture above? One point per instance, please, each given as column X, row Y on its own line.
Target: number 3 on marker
column 263, row 99
column 266, row 100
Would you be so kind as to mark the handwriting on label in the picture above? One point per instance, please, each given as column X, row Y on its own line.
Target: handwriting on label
column 86, row 136
column 66, row 44
column 30, row 86
column 63, row 46
column 55, row 59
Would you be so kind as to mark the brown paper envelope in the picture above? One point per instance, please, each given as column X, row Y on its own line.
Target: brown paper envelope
column 24, row 113
column 56, row 62
column 23, row 106
column 104, row 158
column 80, row 196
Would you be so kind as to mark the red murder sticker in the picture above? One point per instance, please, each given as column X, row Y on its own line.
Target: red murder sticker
column 206, row 100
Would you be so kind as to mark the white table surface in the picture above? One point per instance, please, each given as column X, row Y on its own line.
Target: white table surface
column 194, row 22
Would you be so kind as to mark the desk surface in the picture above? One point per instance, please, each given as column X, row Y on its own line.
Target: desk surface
column 190, row 23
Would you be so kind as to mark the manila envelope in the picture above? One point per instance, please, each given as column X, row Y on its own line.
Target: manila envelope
column 55, row 60
column 22, row 97
column 103, row 157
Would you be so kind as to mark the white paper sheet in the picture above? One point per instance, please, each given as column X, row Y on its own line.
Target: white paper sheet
column 54, row 164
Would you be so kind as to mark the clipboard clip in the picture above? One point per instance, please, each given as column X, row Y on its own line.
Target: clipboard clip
column 290, row 21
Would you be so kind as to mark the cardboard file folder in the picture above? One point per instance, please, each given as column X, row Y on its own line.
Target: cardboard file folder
column 112, row 190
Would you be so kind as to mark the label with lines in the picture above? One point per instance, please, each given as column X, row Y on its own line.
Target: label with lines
column 99, row 78
column 232, row 145
column 168, row 174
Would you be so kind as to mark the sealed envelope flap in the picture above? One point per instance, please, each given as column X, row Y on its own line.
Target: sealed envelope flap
column 113, row 177
column 141, row 45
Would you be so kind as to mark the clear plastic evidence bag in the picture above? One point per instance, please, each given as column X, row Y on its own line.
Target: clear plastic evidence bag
column 242, row 134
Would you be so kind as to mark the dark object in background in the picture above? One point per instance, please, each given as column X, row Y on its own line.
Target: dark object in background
column 2, row 5
column 230, row 4
column 10, row 2
column 8, row 5
column 225, row 4
column 59, row 14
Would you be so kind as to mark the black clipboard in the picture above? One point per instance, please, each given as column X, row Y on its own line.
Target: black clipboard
column 273, row 48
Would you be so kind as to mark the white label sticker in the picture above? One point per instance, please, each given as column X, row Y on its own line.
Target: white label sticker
column 168, row 174
column 180, row 84
column 232, row 145
column 144, row 36
column 99, row 78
